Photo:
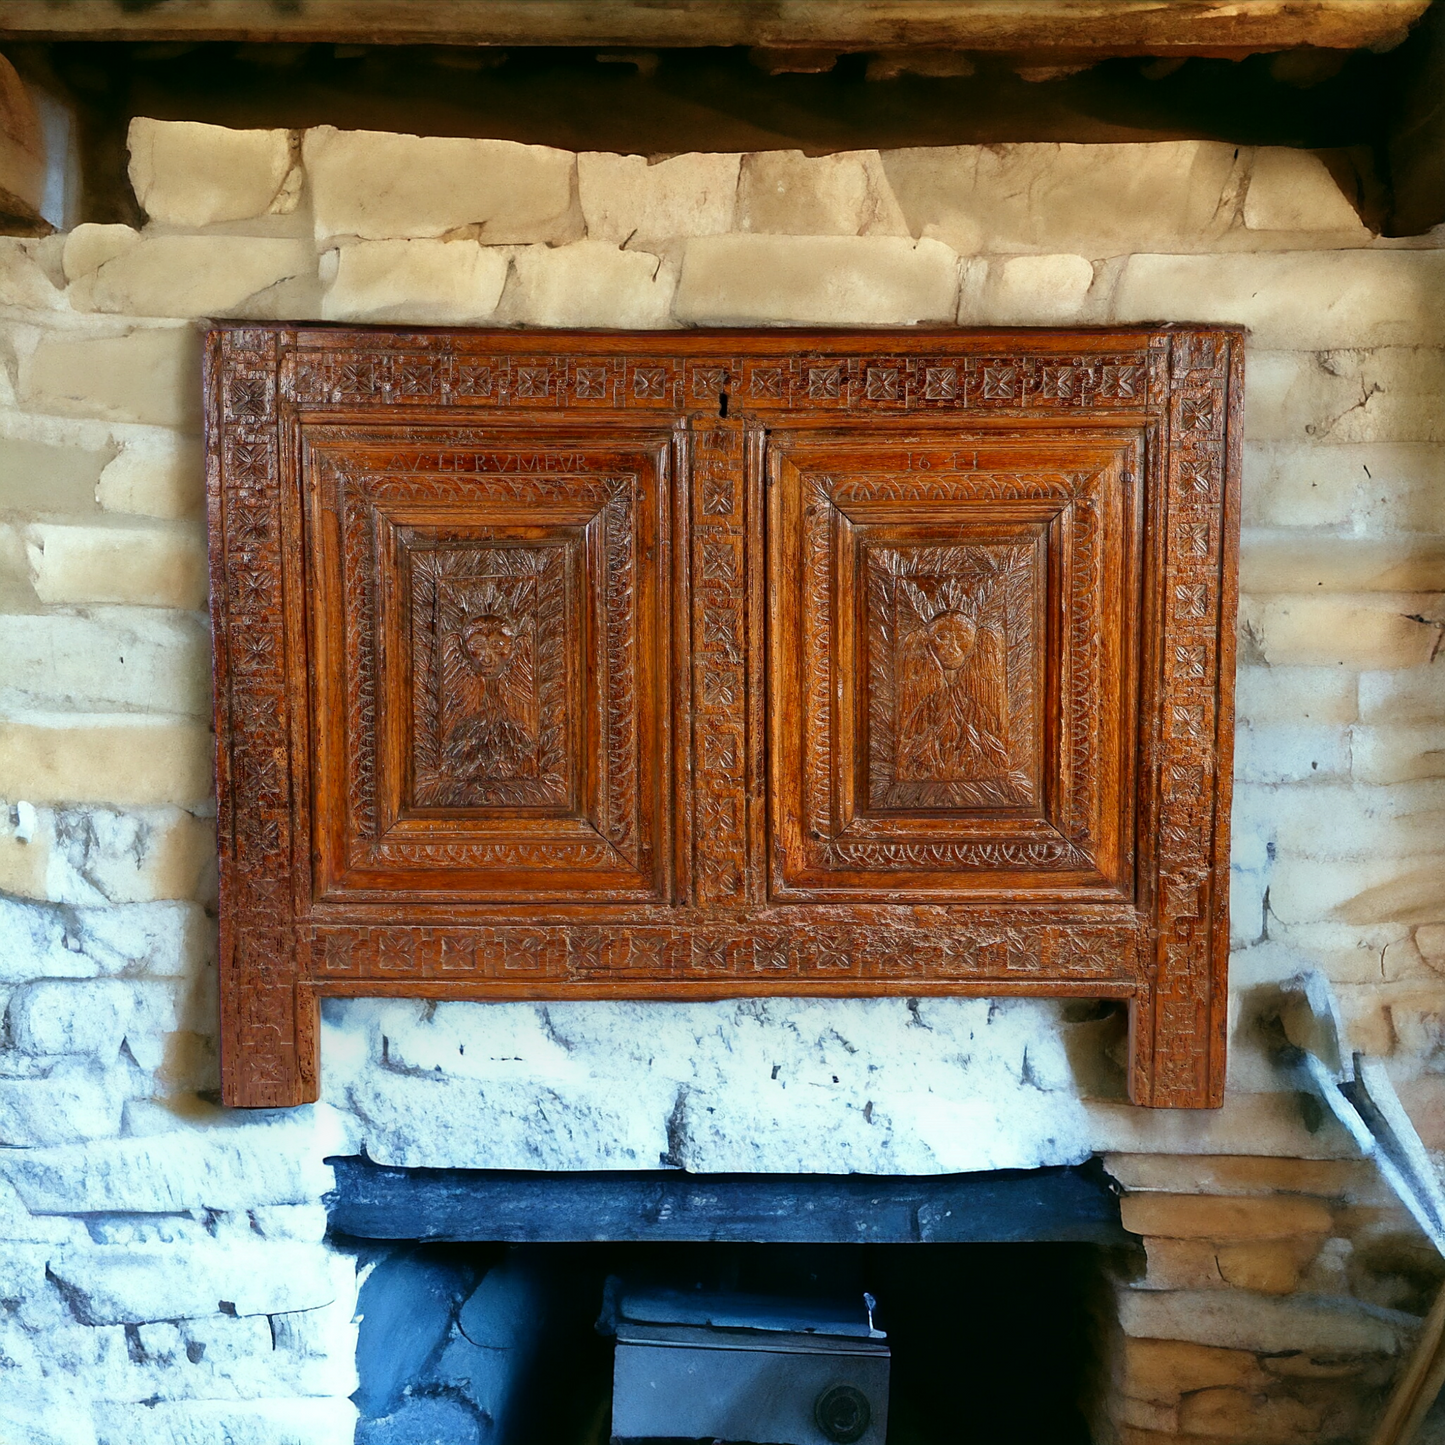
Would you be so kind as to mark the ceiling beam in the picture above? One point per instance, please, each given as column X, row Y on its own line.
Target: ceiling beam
column 1097, row 28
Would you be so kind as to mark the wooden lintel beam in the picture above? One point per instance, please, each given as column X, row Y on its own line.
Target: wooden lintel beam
column 1097, row 28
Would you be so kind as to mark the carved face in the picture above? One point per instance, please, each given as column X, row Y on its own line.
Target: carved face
column 950, row 636
column 490, row 643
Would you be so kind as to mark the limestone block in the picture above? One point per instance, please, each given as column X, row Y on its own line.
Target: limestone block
column 91, row 245
column 61, row 1109
column 1284, row 753
column 1144, row 1420
column 99, row 856
column 1241, row 1320
column 153, row 563
column 1414, row 695
column 22, row 148
column 785, row 193
column 111, row 657
column 1257, row 1124
column 55, row 1016
column 1200, row 1216
column 1290, row 694
column 217, row 1162
column 1164, row 1370
column 1293, row 190
column 719, row 1086
column 120, row 758
column 1270, row 1266
column 1353, row 821
column 1304, row 300
column 155, row 1282
column 1392, row 890
column 188, row 174
column 36, row 477
column 1371, row 489
column 1096, row 200
column 1369, row 630
column 1288, row 561
column 1035, row 291
column 190, row 275
column 380, row 186
column 155, row 474
column 37, row 945
column 629, row 196
column 1180, row 1264
column 289, row 1421
column 150, row 375
column 833, row 280
column 1388, row 754
column 1232, row 1414
column 591, row 283
column 422, row 282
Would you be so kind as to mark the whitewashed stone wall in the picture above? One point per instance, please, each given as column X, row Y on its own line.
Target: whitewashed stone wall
column 163, row 1275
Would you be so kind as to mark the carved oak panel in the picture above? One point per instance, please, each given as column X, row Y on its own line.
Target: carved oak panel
column 711, row 664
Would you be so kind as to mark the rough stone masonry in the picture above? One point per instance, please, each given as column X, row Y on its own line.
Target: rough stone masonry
column 164, row 1275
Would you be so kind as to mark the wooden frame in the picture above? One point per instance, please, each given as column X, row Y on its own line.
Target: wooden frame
column 697, row 665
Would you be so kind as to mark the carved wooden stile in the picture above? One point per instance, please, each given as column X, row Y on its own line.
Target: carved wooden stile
column 712, row 664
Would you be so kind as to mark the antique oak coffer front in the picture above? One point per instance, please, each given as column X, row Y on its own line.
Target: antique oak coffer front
column 689, row 665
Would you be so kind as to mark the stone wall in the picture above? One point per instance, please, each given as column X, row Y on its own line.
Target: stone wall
column 164, row 1275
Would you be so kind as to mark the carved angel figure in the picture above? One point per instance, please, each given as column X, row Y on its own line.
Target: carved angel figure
column 490, row 727
column 952, row 691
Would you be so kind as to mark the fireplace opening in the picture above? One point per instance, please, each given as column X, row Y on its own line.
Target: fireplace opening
column 476, row 1341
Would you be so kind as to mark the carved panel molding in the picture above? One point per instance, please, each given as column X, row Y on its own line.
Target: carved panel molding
column 713, row 664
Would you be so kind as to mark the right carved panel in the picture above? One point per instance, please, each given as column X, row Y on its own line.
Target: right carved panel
column 952, row 675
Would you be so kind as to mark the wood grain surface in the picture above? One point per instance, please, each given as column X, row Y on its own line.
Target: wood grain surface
column 713, row 664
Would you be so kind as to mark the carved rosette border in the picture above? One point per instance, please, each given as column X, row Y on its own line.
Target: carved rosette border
column 1183, row 1062
column 261, row 1054
column 412, row 371
column 720, row 666
column 1017, row 951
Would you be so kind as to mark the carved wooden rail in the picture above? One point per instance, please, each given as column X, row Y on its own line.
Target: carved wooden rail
column 691, row 665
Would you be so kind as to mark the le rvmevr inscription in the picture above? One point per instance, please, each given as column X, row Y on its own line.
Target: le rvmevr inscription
column 719, row 664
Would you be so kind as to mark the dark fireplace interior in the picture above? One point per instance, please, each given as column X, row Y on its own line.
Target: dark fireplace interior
column 507, row 1341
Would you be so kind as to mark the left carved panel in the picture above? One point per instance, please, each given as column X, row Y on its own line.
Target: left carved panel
column 489, row 640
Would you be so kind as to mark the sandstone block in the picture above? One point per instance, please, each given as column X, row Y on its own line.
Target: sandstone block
column 786, row 193
column 151, row 375
column 1285, row 561
column 289, row 1421
column 1036, row 291
column 1399, row 754
column 1096, row 200
column 1372, row 489
column 1255, row 1124
column 836, row 280
column 1233, row 1414
column 191, row 275
column 57, row 1016
column 1320, row 695
column 591, row 283
column 90, row 245
column 155, row 564
column 1413, row 696
column 627, row 196
column 61, row 1109
column 216, row 1164
column 1180, row 1264
column 1302, row 301
column 1150, row 1418
column 1200, row 1216
column 422, row 282
column 113, row 657
column 133, row 1284
column 380, row 186
column 1241, row 1320
column 155, row 474
column 1404, row 891
column 1430, row 940
column 50, row 480
column 22, row 147
column 1387, row 394
column 1293, row 190
column 1362, row 631
column 185, row 173
column 1166, row 1369
column 1354, row 821
column 122, row 758
column 1268, row 1266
